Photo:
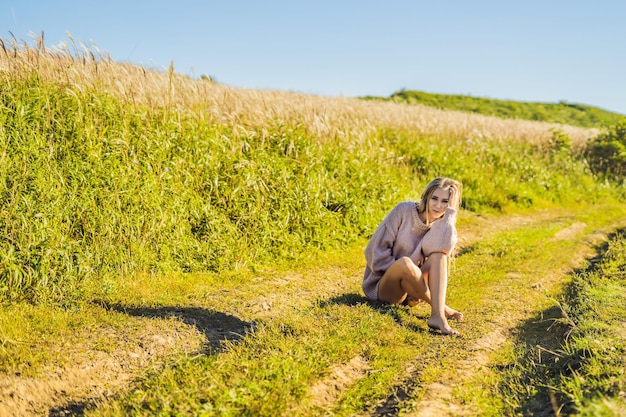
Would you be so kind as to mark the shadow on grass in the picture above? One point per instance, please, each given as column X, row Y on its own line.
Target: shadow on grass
column 539, row 338
column 465, row 250
column 217, row 327
column 76, row 409
column 397, row 312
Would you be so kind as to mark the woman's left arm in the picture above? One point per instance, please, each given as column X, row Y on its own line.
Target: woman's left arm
column 442, row 236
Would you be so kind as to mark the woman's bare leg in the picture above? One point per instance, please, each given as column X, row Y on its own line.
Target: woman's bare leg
column 405, row 279
column 436, row 266
column 401, row 279
column 451, row 314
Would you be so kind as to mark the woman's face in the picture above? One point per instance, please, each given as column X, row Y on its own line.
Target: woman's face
column 437, row 204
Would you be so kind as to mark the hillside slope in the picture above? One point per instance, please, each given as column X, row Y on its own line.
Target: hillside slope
column 562, row 112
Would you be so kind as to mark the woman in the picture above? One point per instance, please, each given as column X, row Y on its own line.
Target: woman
column 408, row 255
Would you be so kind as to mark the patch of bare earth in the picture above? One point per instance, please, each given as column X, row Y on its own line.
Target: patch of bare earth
column 96, row 374
column 439, row 400
column 570, row 232
column 325, row 392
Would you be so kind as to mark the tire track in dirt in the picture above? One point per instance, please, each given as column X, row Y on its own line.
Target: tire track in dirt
column 326, row 391
column 439, row 400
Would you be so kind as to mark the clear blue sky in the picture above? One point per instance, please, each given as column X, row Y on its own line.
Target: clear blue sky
column 530, row 50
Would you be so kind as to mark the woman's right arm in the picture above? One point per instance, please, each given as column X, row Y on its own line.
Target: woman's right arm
column 379, row 250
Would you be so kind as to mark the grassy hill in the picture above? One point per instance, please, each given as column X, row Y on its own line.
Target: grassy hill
column 562, row 112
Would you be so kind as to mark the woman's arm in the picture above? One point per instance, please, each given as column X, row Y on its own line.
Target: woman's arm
column 442, row 236
column 379, row 250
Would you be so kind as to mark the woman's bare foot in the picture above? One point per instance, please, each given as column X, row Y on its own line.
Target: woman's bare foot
column 436, row 322
column 452, row 314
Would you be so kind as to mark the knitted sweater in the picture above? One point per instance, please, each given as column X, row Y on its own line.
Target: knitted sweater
column 402, row 233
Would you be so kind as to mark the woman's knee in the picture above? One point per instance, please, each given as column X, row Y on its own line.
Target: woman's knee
column 438, row 257
column 436, row 261
column 406, row 263
column 408, row 267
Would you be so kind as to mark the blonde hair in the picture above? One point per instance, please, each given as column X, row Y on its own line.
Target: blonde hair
column 454, row 186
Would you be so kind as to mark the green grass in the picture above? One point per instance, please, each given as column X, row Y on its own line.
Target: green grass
column 95, row 187
column 579, row 369
column 562, row 112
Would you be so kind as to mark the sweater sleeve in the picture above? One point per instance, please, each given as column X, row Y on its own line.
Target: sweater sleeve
column 379, row 251
column 418, row 257
column 442, row 236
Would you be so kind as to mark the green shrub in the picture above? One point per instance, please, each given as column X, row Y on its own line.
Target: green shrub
column 606, row 153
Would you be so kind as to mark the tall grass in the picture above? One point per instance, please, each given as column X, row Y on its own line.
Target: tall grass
column 111, row 169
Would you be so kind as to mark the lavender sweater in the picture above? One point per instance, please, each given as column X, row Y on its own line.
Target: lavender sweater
column 400, row 234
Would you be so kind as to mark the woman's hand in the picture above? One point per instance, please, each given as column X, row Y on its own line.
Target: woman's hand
column 453, row 201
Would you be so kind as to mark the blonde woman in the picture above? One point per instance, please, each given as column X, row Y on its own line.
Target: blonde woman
column 407, row 257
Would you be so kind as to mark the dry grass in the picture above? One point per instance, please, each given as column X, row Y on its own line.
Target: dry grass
column 350, row 119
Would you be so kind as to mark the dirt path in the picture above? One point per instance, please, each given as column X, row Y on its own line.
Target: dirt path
column 100, row 375
column 439, row 400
